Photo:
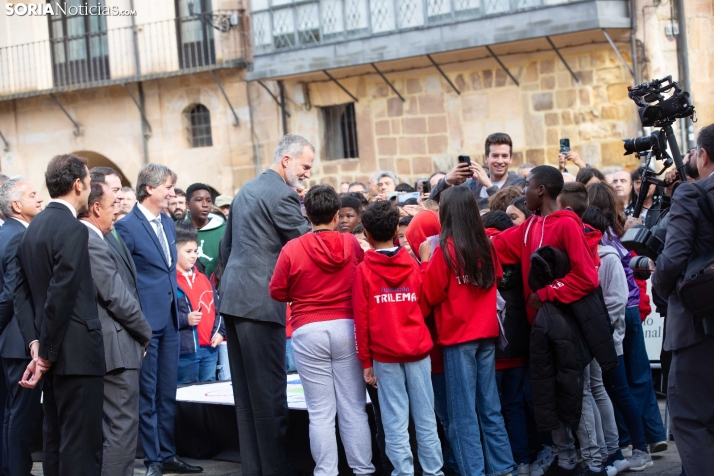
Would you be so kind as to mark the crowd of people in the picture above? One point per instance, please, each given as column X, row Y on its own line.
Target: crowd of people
column 492, row 317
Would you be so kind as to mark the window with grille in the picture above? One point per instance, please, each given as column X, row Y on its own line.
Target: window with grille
column 199, row 126
column 340, row 132
column 80, row 49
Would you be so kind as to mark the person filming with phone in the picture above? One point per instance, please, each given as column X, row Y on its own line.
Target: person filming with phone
column 485, row 180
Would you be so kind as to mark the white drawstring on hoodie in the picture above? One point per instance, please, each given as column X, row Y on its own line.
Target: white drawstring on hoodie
column 542, row 231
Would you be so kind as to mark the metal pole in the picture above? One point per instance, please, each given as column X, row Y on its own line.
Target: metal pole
column 387, row 81
column 443, row 74
column 617, row 52
column 567, row 66
column 502, row 65
column 77, row 130
column 633, row 40
column 282, row 107
column 220, row 86
column 683, row 59
column 341, row 87
column 7, row 146
column 144, row 132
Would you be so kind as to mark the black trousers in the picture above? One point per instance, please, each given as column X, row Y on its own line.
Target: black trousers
column 690, row 396
column 256, row 352
column 73, row 425
column 22, row 411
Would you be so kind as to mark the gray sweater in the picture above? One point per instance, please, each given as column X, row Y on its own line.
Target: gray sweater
column 614, row 288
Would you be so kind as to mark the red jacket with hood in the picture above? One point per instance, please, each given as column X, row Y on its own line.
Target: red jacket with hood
column 316, row 273
column 562, row 230
column 389, row 310
column 466, row 312
column 423, row 225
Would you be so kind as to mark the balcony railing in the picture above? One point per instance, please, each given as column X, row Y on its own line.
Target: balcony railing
column 167, row 48
column 284, row 24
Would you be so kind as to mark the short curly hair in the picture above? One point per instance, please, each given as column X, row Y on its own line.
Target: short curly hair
column 380, row 220
column 500, row 200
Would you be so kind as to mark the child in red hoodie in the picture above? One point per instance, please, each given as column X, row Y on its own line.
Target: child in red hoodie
column 393, row 342
column 561, row 229
column 316, row 272
column 460, row 278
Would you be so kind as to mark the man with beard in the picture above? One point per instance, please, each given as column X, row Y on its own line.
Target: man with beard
column 264, row 216
column 177, row 205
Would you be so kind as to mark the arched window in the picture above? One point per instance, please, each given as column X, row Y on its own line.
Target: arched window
column 199, row 126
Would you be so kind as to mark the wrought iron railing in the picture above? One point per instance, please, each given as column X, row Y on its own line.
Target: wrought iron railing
column 286, row 24
column 172, row 47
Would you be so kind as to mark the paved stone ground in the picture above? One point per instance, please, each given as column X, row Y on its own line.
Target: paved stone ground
column 665, row 464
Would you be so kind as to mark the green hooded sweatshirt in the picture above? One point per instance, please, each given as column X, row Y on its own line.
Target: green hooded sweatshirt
column 209, row 239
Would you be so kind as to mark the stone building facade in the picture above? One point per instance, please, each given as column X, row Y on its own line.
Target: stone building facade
column 414, row 137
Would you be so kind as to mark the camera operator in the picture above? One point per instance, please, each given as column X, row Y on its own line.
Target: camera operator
column 653, row 208
column 691, row 377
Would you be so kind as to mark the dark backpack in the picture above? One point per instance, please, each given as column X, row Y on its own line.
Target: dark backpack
column 696, row 288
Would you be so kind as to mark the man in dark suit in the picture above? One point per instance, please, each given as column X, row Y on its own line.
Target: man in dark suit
column 484, row 181
column 55, row 280
column 264, row 216
column 19, row 204
column 126, row 332
column 690, row 234
column 150, row 237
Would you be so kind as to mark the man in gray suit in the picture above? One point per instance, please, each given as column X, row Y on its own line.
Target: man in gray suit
column 264, row 216
column 125, row 331
column 690, row 393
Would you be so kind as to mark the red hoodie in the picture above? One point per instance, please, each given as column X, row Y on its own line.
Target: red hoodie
column 389, row 310
column 423, row 225
column 316, row 273
column 465, row 312
column 562, row 230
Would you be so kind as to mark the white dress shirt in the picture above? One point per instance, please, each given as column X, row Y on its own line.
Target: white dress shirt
column 66, row 204
column 92, row 227
column 21, row 221
column 151, row 217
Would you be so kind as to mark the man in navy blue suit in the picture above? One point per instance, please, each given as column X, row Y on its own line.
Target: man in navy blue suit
column 19, row 204
column 150, row 237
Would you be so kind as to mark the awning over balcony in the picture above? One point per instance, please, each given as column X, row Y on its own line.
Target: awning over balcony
column 298, row 39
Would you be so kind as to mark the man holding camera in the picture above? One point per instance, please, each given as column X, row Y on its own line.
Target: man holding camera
column 690, row 235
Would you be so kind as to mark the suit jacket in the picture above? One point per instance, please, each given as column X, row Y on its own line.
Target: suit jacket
column 264, row 216
column 689, row 235
column 475, row 186
column 125, row 261
column 55, row 281
column 12, row 345
column 156, row 280
column 124, row 327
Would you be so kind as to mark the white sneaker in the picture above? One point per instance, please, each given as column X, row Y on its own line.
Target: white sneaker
column 621, row 465
column 543, row 461
column 627, row 451
column 524, row 469
column 611, row 471
column 640, row 460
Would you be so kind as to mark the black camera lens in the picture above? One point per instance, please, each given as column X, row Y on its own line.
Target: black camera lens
column 639, row 144
column 641, row 267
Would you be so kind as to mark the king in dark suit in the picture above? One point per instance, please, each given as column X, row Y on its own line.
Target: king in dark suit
column 150, row 237
column 19, row 203
column 56, row 311
column 264, row 216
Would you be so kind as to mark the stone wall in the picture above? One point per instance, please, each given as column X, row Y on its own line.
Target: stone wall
column 37, row 130
column 434, row 124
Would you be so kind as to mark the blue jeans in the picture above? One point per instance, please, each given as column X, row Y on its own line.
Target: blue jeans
column 199, row 366
column 405, row 388
column 474, row 408
column 510, row 389
column 438, row 381
column 289, row 357
column 223, row 367
column 639, row 377
column 619, row 391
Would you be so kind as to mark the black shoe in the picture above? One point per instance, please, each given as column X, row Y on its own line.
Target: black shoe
column 154, row 470
column 175, row 465
column 556, row 470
